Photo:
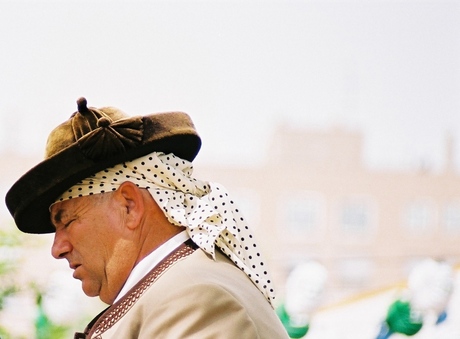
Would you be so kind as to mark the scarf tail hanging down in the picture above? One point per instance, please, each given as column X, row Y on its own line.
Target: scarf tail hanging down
column 205, row 209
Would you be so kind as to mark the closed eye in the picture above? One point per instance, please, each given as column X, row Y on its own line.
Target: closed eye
column 69, row 222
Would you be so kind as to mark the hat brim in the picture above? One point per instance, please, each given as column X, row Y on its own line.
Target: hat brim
column 30, row 197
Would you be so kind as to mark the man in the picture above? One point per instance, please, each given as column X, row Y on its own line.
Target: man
column 171, row 255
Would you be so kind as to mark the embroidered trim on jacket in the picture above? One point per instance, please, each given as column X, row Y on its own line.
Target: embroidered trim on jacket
column 119, row 309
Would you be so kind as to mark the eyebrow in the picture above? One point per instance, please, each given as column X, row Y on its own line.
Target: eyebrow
column 58, row 216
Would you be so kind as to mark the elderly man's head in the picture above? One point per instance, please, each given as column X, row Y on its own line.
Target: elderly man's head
column 103, row 236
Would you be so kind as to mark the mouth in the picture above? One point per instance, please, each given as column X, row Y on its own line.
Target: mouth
column 75, row 274
column 74, row 266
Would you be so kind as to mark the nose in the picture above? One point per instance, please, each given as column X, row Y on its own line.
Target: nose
column 61, row 245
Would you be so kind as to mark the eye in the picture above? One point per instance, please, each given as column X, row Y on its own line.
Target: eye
column 69, row 222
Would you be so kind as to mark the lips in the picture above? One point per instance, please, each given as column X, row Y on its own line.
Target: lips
column 74, row 266
column 75, row 273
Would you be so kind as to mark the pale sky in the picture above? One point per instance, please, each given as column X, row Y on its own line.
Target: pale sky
column 390, row 69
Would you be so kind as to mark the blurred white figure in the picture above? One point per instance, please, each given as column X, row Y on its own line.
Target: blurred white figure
column 430, row 286
column 304, row 289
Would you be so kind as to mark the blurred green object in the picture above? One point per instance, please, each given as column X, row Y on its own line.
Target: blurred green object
column 8, row 264
column 401, row 319
column 293, row 331
column 44, row 327
column 42, row 323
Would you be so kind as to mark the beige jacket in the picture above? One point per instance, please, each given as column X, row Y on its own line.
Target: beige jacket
column 194, row 297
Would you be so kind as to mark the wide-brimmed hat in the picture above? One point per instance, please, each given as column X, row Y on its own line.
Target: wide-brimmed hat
column 90, row 141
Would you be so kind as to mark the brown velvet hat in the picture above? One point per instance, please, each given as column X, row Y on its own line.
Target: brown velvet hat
column 90, row 141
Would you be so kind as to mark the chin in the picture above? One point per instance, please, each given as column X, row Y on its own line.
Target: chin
column 89, row 290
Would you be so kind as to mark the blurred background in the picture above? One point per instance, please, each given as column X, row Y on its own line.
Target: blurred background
column 335, row 124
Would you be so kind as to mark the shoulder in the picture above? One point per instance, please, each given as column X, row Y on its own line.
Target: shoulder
column 210, row 292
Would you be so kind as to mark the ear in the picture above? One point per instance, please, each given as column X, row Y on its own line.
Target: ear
column 133, row 200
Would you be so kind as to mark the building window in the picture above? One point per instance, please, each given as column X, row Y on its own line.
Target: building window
column 420, row 216
column 451, row 217
column 355, row 272
column 302, row 213
column 356, row 215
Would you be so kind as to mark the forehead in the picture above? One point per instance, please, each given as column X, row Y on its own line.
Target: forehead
column 65, row 209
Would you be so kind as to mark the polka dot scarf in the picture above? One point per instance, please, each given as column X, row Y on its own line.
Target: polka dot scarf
column 205, row 209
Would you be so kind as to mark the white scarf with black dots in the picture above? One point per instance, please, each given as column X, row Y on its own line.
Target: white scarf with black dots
column 205, row 209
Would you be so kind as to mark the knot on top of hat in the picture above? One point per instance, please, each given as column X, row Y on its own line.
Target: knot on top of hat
column 86, row 120
column 103, row 122
column 112, row 137
column 82, row 105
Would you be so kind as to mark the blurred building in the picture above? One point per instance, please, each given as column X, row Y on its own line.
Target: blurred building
column 315, row 199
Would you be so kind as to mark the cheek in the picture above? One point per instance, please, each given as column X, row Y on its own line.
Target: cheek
column 98, row 241
column 91, row 244
column 98, row 229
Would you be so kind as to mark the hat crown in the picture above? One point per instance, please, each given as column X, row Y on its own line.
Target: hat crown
column 81, row 123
